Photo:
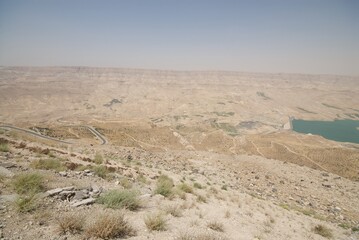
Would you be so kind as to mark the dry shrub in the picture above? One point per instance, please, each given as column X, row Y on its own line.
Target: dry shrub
column 98, row 158
column 216, row 226
column 185, row 188
column 71, row 223
column 48, row 164
column 201, row 236
column 22, row 145
column 142, row 179
column 155, row 222
column 213, row 190
column 110, row 225
column 182, row 195
column 126, row 183
column 174, row 210
column 71, row 166
column 201, row 198
column 323, row 231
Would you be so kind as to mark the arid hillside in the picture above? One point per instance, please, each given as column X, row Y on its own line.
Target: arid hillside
column 149, row 154
column 223, row 112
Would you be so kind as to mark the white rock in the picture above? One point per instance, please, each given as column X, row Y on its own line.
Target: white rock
column 337, row 209
column 68, row 188
column 83, row 202
column 53, row 192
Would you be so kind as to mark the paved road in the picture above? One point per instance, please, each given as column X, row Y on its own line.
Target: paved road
column 33, row 133
column 97, row 134
column 91, row 129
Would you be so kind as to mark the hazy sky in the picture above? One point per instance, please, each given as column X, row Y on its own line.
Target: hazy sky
column 303, row 36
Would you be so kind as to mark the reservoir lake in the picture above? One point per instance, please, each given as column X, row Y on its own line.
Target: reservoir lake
column 337, row 130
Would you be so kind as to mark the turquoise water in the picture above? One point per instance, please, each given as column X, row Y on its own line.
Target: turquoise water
column 337, row 130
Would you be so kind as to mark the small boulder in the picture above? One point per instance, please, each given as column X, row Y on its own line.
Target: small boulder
column 84, row 202
column 63, row 174
column 53, row 192
column 80, row 195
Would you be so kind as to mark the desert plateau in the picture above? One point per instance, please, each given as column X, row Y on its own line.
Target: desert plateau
column 112, row 153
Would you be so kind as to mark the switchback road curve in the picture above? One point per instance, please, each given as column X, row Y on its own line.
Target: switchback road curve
column 34, row 133
column 90, row 128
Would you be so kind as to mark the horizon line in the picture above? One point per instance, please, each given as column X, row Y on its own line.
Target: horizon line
column 176, row 70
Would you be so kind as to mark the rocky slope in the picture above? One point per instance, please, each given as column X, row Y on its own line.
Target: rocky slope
column 225, row 196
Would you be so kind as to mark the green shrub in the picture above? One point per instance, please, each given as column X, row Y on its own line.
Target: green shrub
column 26, row 203
column 100, row 171
column 4, row 147
column 164, row 186
column 344, row 225
column 120, row 199
column 28, row 183
column 48, row 164
column 197, row 185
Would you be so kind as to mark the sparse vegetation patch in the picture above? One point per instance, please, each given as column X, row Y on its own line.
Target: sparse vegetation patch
column 164, row 186
column 48, row 164
column 28, row 183
column 100, row 171
column 120, row 199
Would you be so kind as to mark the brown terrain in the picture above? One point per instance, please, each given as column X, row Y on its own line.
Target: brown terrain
column 207, row 155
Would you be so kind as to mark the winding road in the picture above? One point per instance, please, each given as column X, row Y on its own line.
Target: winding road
column 90, row 128
column 97, row 134
column 34, row 133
